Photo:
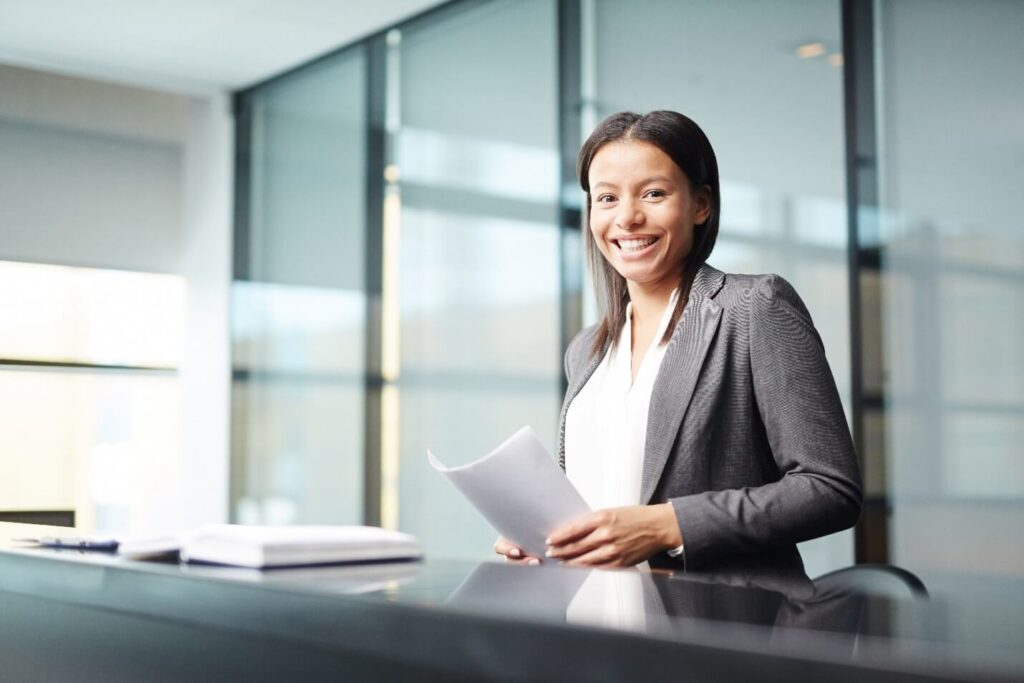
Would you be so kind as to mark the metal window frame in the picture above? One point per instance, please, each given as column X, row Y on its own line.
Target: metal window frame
column 862, row 196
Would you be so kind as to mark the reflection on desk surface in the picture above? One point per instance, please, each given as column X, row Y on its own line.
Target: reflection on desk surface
column 751, row 601
column 643, row 601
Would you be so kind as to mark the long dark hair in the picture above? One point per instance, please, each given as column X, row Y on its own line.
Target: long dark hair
column 685, row 143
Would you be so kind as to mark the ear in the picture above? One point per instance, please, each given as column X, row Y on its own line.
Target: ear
column 702, row 198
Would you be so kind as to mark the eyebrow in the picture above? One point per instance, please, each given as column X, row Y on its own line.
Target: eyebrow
column 645, row 181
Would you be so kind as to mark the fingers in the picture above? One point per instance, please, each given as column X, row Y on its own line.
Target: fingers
column 587, row 544
column 513, row 554
column 503, row 547
column 605, row 556
column 613, row 537
column 598, row 538
column 596, row 555
column 578, row 529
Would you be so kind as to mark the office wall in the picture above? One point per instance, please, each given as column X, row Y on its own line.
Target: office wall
column 91, row 173
column 114, row 253
column 208, row 184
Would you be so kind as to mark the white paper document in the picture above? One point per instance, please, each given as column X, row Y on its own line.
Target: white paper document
column 520, row 489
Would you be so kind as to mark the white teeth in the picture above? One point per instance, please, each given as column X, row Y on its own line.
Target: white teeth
column 636, row 245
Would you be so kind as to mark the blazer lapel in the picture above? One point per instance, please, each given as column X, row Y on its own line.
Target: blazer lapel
column 677, row 377
column 578, row 380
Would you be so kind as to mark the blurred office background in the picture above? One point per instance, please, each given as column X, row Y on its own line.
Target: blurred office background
column 256, row 259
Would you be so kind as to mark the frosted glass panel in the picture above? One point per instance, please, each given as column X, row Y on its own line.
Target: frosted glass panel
column 479, row 253
column 298, row 329
column 309, row 176
column 479, row 295
column 303, row 463
column 952, row 283
column 299, row 303
column 988, row 368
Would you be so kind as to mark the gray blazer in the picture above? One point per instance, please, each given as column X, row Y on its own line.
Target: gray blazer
column 746, row 436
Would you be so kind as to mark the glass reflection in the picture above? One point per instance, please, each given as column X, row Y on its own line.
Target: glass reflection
column 759, row 592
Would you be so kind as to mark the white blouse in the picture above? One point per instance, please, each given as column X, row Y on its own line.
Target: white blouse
column 606, row 426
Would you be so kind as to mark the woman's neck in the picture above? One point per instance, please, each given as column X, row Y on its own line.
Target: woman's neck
column 649, row 301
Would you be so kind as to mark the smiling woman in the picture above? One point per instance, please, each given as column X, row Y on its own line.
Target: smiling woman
column 666, row 174
column 701, row 421
column 644, row 228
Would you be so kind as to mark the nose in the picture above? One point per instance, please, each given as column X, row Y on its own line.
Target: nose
column 629, row 216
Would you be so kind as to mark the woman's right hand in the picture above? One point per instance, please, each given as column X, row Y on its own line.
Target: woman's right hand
column 513, row 554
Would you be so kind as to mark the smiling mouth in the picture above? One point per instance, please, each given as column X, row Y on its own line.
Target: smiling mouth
column 634, row 245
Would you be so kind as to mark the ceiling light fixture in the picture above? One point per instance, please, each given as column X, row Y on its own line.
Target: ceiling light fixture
column 809, row 50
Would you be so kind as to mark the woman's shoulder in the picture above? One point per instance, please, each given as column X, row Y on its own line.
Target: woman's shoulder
column 762, row 299
column 726, row 287
column 758, row 291
column 738, row 283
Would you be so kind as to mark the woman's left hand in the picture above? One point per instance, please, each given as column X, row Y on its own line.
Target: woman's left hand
column 616, row 537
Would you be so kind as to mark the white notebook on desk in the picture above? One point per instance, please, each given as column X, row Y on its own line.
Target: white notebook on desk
column 278, row 546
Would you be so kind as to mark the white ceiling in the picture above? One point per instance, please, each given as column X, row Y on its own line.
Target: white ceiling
column 186, row 46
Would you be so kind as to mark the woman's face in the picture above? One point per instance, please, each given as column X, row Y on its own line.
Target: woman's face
column 642, row 212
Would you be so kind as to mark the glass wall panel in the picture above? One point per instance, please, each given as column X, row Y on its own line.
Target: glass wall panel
column 764, row 82
column 475, row 149
column 299, row 303
column 952, row 282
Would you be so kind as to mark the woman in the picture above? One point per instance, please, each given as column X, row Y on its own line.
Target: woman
column 701, row 422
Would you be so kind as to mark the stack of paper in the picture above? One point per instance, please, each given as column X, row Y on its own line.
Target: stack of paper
column 279, row 546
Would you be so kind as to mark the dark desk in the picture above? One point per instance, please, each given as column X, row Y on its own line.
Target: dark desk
column 66, row 615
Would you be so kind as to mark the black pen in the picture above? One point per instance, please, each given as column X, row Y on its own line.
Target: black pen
column 73, row 542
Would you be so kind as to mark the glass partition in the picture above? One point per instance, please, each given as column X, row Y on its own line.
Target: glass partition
column 474, row 149
column 951, row 283
column 299, row 304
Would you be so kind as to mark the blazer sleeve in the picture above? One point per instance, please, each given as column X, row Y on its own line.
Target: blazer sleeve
column 819, row 490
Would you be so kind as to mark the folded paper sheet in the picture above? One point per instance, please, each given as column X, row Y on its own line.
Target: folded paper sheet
column 520, row 489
